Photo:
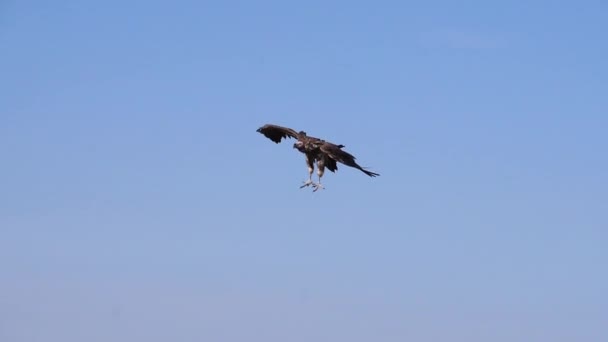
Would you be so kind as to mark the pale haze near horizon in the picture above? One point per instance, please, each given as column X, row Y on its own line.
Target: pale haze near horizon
column 138, row 203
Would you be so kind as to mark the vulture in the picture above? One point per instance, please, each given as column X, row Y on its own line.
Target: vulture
column 324, row 153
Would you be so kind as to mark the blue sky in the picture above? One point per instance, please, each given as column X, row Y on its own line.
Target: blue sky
column 138, row 202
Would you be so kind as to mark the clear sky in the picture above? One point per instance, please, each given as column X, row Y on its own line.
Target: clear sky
column 138, row 203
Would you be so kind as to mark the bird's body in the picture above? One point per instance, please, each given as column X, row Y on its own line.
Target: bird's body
column 325, row 154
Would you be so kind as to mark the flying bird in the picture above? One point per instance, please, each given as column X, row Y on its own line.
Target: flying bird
column 324, row 153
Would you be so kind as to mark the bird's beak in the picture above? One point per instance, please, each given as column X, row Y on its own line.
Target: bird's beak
column 294, row 145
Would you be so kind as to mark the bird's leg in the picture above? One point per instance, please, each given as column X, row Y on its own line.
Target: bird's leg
column 309, row 181
column 318, row 186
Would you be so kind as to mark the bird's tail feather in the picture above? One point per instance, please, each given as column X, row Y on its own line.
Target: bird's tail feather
column 369, row 173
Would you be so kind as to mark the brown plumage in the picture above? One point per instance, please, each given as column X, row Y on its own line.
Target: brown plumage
column 324, row 153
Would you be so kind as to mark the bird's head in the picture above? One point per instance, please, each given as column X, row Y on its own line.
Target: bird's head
column 299, row 145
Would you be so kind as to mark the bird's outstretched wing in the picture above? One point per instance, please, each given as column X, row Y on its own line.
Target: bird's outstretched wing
column 276, row 133
column 336, row 153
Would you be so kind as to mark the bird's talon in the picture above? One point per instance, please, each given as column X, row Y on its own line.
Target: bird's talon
column 306, row 183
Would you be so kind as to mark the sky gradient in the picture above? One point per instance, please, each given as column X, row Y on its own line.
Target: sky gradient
column 137, row 202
